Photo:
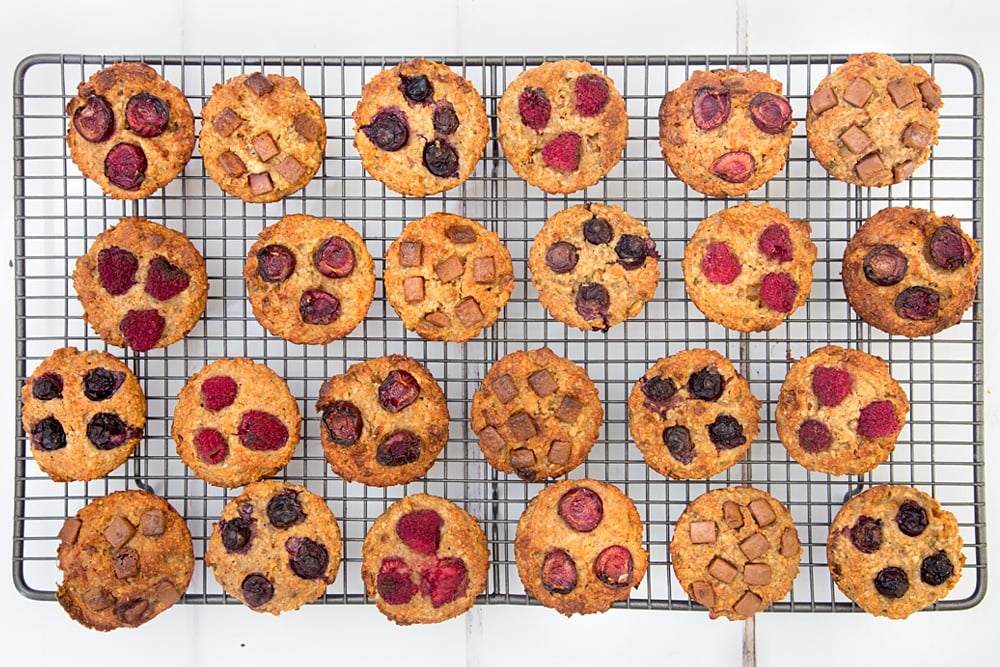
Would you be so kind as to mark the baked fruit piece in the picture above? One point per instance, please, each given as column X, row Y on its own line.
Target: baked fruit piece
column 748, row 267
column 911, row 272
column 276, row 547
column 562, row 125
column 235, row 422
column 735, row 550
column 309, row 280
column 424, row 560
column 594, row 266
column 839, row 411
column 726, row 132
column 130, row 131
column 142, row 285
column 536, row 414
column 125, row 558
column 447, row 277
column 384, row 421
column 692, row 415
column 420, row 128
column 262, row 136
column 83, row 412
column 873, row 120
column 578, row 547
column 894, row 550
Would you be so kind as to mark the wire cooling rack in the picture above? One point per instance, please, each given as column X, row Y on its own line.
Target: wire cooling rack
column 58, row 213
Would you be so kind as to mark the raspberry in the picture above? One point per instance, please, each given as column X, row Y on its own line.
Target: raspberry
column 563, row 152
column 779, row 291
column 535, row 108
column 831, row 385
column 218, row 392
column 878, row 419
column 775, row 243
column 142, row 329
column 116, row 269
column 421, row 530
column 590, row 95
column 719, row 264
column 814, row 436
column 211, row 446
column 393, row 582
column 445, row 582
column 262, row 431
column 164, row 280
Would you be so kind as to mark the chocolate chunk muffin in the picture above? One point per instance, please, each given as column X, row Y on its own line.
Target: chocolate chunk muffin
column 384, row 421
column 839, row 411
column 578, row 546
column 83, row 413
column 594, row 266
column 894, row 550
column 309, row 280
column 911, row 272
column 276, row 547
column 142, row 285
column 235, row 422
column 726, row 132
column 536, row 414
column 125, row 558
column 447, row 277
column 262, row 136
column 735, row 550
column 424, row 560
column 563, row 125
column 420, row 128
column 748, row 267
column 692, row 415
column 873, row 120
column 130, row 131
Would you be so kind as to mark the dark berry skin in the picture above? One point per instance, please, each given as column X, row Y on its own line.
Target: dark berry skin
column 47, row 387
column 633, row 250
column 706, row 384
column 275, row 263
column 94, row 120
column 146, row 115
column 678, row 442
column 343, row 423
column 558, row 572
column 892, row 582
column 307, row 558
column 592, row 301
column 657, row 389
column 398, row 449
column 441, row 159
column 866, row 534
column 101, row 384
column 445, row 120
column 257, row 590
column 884, row 265
column 936, row 569
column 726, row 432
column 107, row 431
column 613, row 566
column 598, row 231
column 236, row 534
column 335, row 257
column 582, row 509
column 917, row 303
column 710, row 107
column 284, row 510
column 949, row 249
column 911, row 518
column 417, row 89
column 561, row 257
column 399, row 390
column 388, row 129
column 48, row 435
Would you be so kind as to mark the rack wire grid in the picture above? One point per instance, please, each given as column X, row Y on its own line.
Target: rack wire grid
column 59, row 212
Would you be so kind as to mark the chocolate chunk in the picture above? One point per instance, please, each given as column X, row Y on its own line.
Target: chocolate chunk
column 521, row 425
column 789, row 542
column 930, row 94
column 310, row 128
column 732, row 515
column 468, row 312
column 559, row 451
column 260, row 183
column 858, row 92
column 704, row 532
column 411, row 253
column 461, row 234
column 131, row 611
column 490, row 439
column 118, row 532
column 917, row 136
column 901, row 91
column 748, row 604
column 264, row 146
column 167, row 593
column 702, row 593
column 226, row 122
column 258, row 83
column 755, row 546
column 822, row 100
column 232, row 164
column 521, row 459
column 503, row 388
column 855, row 139
column 413, row 289
column 568, row 410
column 542, row 382
column 869, row 166
column 722, row 570
column 291, row 169
column 762, row 512
column 97, row 599
column 437, row 319
column 757, row 574
column 483, row 270
column 449, row 269
column 125, row 563
column 901, row 172
column 70, row 530
column 151, row 522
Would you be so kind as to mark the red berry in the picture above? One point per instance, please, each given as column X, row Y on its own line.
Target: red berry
column 775, row 243
column 535, row 108
column 142, row 329
column 734, row 166
column 878, row 419
column 445, row 582
column 116, row 269
column 94, row 120
column 563, row 152
column 211, row 446
column 393, row 582
column 262, row 431
column 218, row 392
column 831, row 385
column 770, row 113
column 779, row 291
column 710, row 107
column 590, row 95
column 125, row 166
column 582, row 509
column 421, row 530
column 164, row 280
column 814, row 436
column 558, row 572
column 613, row 566
column 146, row 115
column 719, row 264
